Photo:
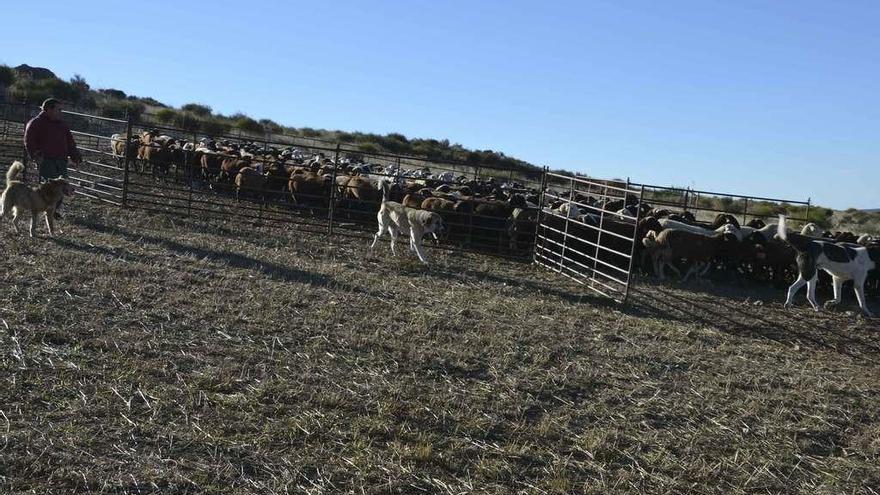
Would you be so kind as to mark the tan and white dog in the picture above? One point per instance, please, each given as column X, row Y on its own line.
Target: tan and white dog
column 395, row 218
column 18, row 197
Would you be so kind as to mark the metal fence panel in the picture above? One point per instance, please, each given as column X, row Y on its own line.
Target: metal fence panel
column 584, row 236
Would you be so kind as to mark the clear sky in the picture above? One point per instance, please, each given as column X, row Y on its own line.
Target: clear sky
column 773, row 98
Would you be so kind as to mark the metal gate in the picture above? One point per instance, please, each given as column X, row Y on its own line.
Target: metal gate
column 589, row 233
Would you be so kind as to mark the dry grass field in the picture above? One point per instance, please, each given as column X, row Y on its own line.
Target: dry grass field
column 152, row 354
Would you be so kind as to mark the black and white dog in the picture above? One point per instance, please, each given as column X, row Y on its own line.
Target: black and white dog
column 843, row 261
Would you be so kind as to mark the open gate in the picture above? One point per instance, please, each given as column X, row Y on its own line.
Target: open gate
column 589, row 236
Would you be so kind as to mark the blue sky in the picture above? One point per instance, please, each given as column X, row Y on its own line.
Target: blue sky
column 777, row 99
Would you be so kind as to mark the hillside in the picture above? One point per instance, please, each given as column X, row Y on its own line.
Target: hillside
column 34, row 84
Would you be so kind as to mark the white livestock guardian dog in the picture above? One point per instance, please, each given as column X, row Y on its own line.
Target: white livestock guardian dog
column 396, row 218
column 843, row 261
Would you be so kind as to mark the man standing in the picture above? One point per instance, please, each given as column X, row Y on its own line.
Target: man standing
column 49, row 142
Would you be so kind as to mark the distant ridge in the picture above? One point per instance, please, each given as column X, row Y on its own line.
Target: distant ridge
column 874, row 210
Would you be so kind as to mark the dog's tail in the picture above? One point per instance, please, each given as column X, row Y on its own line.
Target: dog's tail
column 781, row 229
column 386, row 189
column 14, row 172
column 799, row 242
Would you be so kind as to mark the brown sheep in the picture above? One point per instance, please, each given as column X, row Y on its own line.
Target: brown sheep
column 772, row 257
column 118, row 145
column 361, row 190
column 413, row 200
column 308, row 188
column 154, row 151
column 438, row 204
column 670, row 245
column 523, row 225
column 230, row 166
column 249, row 180
column 210, row 165
column 276, row 178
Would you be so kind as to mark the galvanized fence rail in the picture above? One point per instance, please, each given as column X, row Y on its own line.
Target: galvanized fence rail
column 582, row 240
column 743, row 207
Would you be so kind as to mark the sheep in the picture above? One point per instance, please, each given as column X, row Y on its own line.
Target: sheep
column 522, row 228
column 847, row 237
column 722, row 219
column 770, row 256
column 414, row 200
column 669, row 223
column 118, row 145
column 307, row 187
column 659, row 213
column 569, row 210
column 726, row 228
column 762, row 234
column 756, row 223
column 155, row 151
column 683, row 217
column 671, row 244
column 249, row 180
column 811, row 230
column 360, row 191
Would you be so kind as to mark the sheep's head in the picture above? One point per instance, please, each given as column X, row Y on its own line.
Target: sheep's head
column 650, row 240
column 517, row 201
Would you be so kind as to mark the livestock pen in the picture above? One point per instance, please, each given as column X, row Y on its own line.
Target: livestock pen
column 494, row 211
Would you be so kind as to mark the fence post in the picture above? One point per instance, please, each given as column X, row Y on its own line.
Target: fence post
column 127, row 161
column 191, row 164
column 687, row 195
column 599, row 235
column 24, row 153
column 745, row 211
column 565, row 230
column 809, row 201
column 636, row 240
column 540, row 215
column 333, row 192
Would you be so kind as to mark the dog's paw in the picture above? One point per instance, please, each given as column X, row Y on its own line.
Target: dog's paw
column 830, row 305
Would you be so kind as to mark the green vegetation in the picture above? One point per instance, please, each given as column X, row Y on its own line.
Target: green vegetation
column 818, row 215
column 7, row 75
column 197, row 109
column 166, row 115
column 247, row 124
column 120, row 109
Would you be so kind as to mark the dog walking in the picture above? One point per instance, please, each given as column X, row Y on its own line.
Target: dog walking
column 50, row 143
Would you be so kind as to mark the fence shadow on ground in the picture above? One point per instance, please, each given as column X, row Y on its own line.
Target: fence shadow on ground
column 713, row 308
column 575, row 296
column 274, row 271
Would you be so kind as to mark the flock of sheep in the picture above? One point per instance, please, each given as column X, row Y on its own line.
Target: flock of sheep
column 504, row 216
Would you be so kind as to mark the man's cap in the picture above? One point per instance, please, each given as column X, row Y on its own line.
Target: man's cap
column 50, row 103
